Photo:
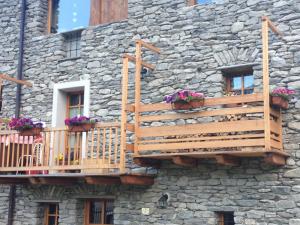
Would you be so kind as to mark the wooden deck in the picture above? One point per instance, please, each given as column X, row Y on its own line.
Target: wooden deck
column 72, row 179
column 210, row 132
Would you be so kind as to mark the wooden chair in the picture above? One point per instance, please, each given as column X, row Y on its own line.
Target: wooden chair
column 36, row 157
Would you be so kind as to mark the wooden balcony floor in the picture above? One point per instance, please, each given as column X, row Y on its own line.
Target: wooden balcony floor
column 231, row 158
column 78, row 178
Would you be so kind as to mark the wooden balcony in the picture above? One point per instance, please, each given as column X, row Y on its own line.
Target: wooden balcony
column 226, row 128
column 58, row 155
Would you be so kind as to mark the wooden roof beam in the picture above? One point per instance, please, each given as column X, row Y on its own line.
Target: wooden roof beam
column 148, row 46
column 272, row 26
column 137, row 180
column 133, row 59
column 22, row 82
column 184, row 161
column 102, row 180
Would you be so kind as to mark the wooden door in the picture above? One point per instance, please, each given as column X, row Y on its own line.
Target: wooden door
column 108, row 11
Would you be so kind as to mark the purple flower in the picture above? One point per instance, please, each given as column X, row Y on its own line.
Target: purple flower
column 77, row 120
column 283, row 92
column 23, row 124
column 183, row 96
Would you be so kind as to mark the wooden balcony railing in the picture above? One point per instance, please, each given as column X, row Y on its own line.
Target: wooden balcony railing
column 57, row 150
column 227, row 125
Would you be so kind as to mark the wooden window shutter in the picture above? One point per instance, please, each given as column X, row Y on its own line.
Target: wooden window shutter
column 108, row 11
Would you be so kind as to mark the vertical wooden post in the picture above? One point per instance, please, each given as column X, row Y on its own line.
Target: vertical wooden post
column 50, row 9
column 266, row 88
column 124, row 114
column 280, row 130
column 138, row 70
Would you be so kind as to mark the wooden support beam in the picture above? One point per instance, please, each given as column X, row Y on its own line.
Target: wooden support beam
column 130, row 147
column 144, row 64
column 149, row 46
column 102, row 180
column 275, row 159
column 147, row 162
column 227, row 160
column 137, row 180
column 130, row 127
column 34, row 180
column 130, row 108
column 22, row 82
column 10, row 180
column 58, row 180
column 272, row 26
column 184, row 161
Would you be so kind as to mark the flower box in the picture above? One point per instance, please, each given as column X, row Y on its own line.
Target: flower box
column 280, row 97
column 84, row 127
column 185, row 100
column 182, row 105
column 279, row 102
column 31, row 132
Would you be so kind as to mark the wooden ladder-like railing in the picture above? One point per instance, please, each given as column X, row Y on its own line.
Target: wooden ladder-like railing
column 139, row 64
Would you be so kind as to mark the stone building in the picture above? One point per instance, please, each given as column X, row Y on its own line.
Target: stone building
column 73, row 58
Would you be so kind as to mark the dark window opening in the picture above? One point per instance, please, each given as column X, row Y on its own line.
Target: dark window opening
column 72, row 44
column 51, row 214
column 67, row 15
column 1, row 94
column 99, row 212
column 225, row 218
column 239, row 81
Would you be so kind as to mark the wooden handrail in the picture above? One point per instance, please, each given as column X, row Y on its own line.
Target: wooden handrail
column 208, row 102
column 59, row 149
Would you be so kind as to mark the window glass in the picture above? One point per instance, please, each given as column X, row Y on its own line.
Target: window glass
column 204, row 1
column 52, row 208
column 236, row 83
column 73, row 14
column 109, row 216
column 95, row 212
column 248, row 81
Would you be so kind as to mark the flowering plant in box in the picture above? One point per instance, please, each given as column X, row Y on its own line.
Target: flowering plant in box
column 184, row 96
column 185, row 99
column 80, row 123
column 282, row 92
column 280, row 97
column 23, row 124
column 79, row 120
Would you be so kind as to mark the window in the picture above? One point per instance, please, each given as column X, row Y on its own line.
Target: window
column 72, row 44
column 75, row 104
column 67, row 15
column 51, row 214
column 99, row 212
column 239, row 81
column 225, row 218
column 195, row 2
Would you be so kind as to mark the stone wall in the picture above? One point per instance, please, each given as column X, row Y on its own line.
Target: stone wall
column 195, row 42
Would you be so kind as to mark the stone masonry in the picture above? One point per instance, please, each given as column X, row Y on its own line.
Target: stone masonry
column 195, row 42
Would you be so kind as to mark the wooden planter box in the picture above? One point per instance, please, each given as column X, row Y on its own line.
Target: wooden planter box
column 31, row 132
column 181, row 105
column 279, row 102
column 82, row 127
